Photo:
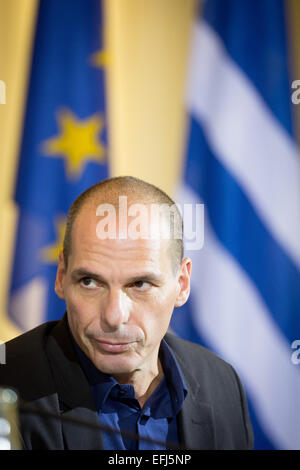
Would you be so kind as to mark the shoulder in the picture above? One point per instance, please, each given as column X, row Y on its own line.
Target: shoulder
column 195, row 354
column 213, row 381
column 200, row 365
column 26, row 346
column 26, row 365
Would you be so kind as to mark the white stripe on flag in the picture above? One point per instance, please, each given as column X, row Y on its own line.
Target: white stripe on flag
column 246, row 137
column 230, row 313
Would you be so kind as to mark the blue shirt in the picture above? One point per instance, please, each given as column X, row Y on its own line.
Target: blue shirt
column 119, row 409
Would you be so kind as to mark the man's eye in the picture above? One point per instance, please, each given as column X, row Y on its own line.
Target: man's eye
column 142, row 285
column 88, row 283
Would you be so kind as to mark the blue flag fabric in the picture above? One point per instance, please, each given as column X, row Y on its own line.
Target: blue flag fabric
column 63, row 149
column 242, row 163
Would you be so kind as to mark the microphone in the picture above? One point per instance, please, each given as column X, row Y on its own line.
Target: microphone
column 9, row 422
column 32, row 409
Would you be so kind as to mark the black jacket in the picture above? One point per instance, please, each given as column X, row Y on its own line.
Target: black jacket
column 42, row 366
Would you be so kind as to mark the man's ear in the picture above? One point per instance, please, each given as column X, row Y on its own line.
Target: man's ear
column 184, row 282
column 60, row 274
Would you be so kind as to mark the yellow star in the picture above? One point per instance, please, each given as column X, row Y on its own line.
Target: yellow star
column 100, row 58
column 50, row 253
column 78, row 142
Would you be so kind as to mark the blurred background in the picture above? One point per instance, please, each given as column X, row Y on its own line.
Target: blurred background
column 198, row 98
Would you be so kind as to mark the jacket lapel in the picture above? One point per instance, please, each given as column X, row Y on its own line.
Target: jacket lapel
column 74, row 393
column 196, row 426
column 195, row 420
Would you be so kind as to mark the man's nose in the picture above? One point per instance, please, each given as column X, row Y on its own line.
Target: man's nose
column 115, row 311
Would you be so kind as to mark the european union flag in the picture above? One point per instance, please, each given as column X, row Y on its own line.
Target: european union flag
column 63, row 150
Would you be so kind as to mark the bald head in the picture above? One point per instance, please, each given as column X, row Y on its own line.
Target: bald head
column 110, row 192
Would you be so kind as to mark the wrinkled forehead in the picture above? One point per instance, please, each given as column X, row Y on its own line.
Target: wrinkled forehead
column 134, row 228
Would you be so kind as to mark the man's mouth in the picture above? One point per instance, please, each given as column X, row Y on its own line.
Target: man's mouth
column 113, row 347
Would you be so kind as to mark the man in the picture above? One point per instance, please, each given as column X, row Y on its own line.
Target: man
column 110, row 361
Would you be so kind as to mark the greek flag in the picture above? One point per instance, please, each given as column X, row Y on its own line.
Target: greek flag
column 63, row 149
column 242, row 163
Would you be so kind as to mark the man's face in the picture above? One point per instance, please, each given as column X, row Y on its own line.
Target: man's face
column 120, row 295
